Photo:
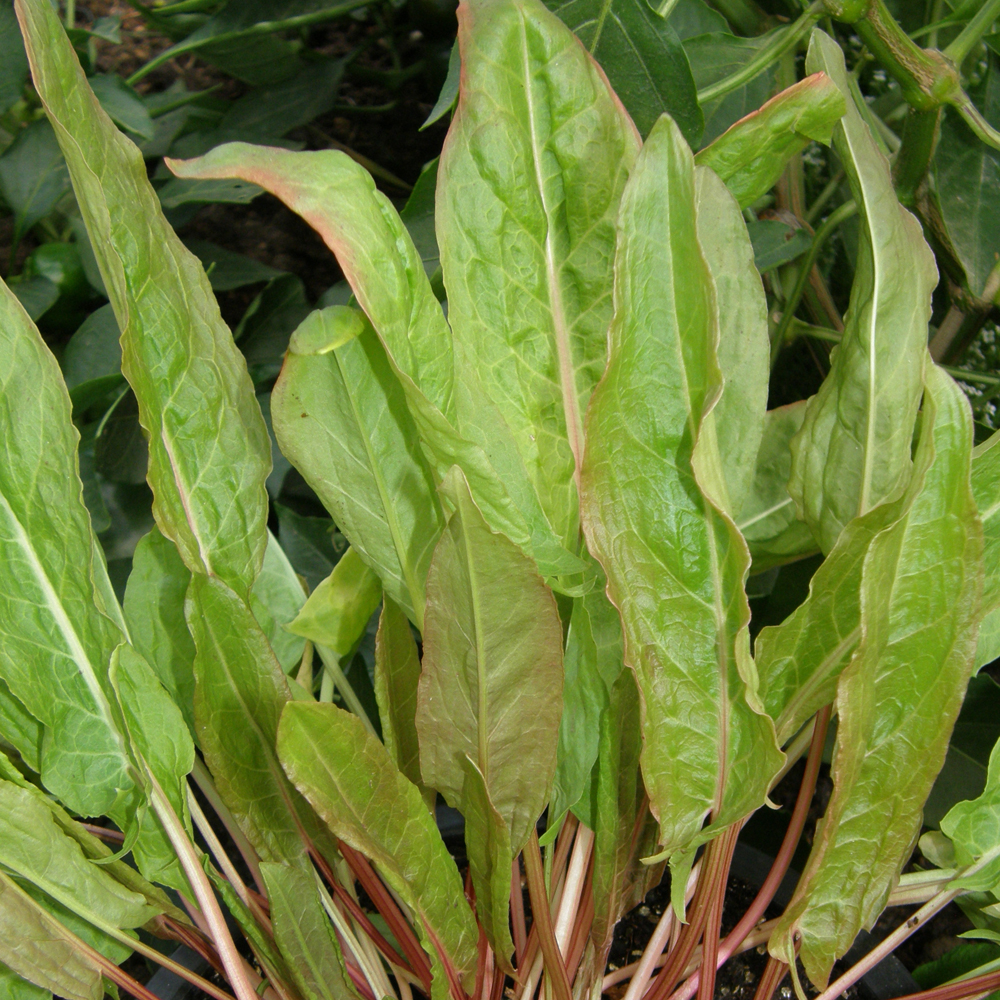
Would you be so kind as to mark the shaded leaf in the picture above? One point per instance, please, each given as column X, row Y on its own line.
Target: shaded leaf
column 177, row 192
column 123, row 104
column 449, row 89
column 340, row 416
column 276, row 598
column 227, row 270
column 33, row 176
column 94, row 351
column 347, row 775
column 751, row 155
column 899, row 697
column 775, row 243
column 311, row 543
column 209, row 452
column 854, row 447
column 13, row 60
column 675, row 562
column 20, row 729
column 643, row 57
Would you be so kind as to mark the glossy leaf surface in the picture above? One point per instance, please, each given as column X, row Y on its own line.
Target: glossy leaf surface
column 643, row 57
column 528, row 189
column 209, row 450
column 352, row 783
column 675, row 562
column 340, row 415
column 854, row 446
column 743, row 350
column 898, row 699
column 751, row 154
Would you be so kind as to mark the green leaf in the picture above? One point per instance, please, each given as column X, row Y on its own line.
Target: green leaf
column 643, row 57
column 854, row 447
column 693, row 17
column 177, row 192
column 418, row 217
column 312, row 544
column 651, row 480
column 899, row 697
column 340, row 416
column 33, row 176
column 303, row 933
column 37, row 294
column 974, row 827
column 751, row 155
column 592, row 663
column 397, row 673
column 123, row 104
column 976, row 732
column 13, row 60
column 490, row 695
column 349, row 778
column 277, row 597
column 56, row 644
column 528, row 191
column 239, row 694
column 744, row 347
column 776, row 243
column 337, row 611
column 958, row 961
column 449, row 89
column 717, row 55
column 13, row 987
column 33, row 847
column 967, row 182
column 94, row 351
column 986, row 487
column 35, row 945
column 338, row 198
column 154, row 610
column 227, row 270
column 209, row 451
column 20, row 729
column 767, row 518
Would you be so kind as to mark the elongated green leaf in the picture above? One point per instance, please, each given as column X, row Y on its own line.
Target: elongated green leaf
column 20, row 728
column 624, row 830
column 154, row 610
column 397, row 673
column 643, row 57
column 33, row 846
column 898, row 698
column 276, row 599
column 490, row 693
column 338, row 199
column 744, row 348
column 528, row 190
column 340, row 415
column 353, row 784
column 338, row 610
column 675, row 562
column 303, row 933
column 38, row 947
column 13, row 987
column 751, row 155
column 854, row 447
column 767, row 517
column 56, row 645
column 592, row 663
column 209, row 450
column 986, row 487
column 240, row 690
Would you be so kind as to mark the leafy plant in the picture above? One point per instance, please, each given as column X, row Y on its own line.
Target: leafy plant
column 561, row 491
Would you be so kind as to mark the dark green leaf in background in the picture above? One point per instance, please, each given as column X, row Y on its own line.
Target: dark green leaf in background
column 13, row 59
column 227, row 270
column 123, row 104
column 776, row 243
column 33, row 175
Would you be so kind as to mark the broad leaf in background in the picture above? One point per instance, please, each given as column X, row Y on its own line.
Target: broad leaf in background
column 33, row 176
column 123, row 104
column 854, row 447
column 337, row 611
column 339, row 200
column 490, row 694
column 340, row 416
column 675, row 562
column 899, row 697
column 967, row 183
column 349, row 778
column 20, row 729
column 525, row 214
column 642, row 56
column 14, row 67
column 207, row 474
column 776, row 243
column 744, row 348
column 751, row 155
column 766, row 518
column 397, row 673
column 717, row 55
column 276, row 598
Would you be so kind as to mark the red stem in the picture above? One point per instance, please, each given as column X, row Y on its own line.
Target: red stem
column 957, row 991
column 386, row 905
column 713, row 920
column 738, row 934
column 554, row 965
column 774, row 972
column 517, row 912
column 358, row 978
column 582, row 927
column 496, row 986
